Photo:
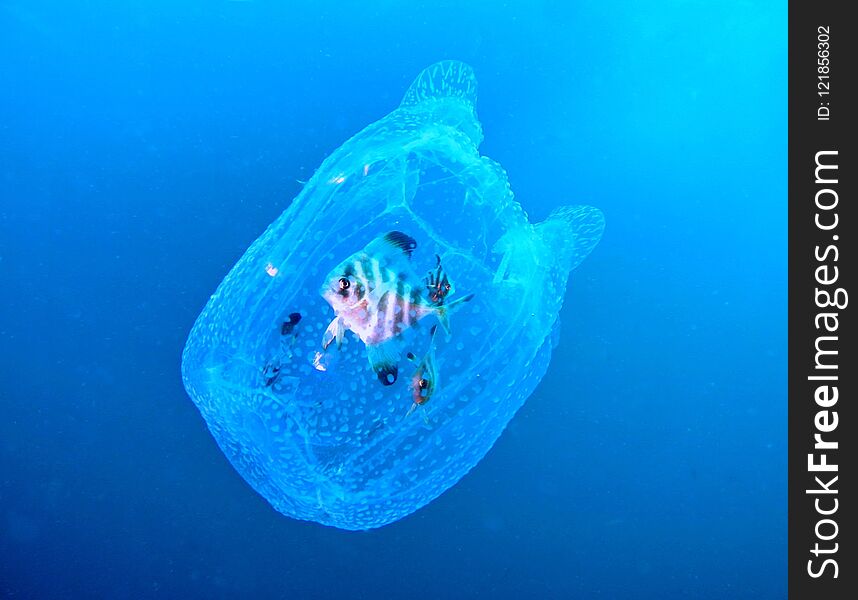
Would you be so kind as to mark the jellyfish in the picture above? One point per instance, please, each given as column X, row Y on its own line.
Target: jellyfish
column 370, row 347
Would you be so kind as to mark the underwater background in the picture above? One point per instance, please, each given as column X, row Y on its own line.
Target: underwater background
column 145, row 145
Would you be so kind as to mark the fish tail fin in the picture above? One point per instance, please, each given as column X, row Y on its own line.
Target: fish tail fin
column 423, row 411
column 443, row 312
column 432, row 337
column 570, row 234
column 410, row 410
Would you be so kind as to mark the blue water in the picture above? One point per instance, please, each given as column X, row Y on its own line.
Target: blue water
column 144, row 145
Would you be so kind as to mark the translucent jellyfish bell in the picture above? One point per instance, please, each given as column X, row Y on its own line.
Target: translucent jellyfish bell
column 314, row 430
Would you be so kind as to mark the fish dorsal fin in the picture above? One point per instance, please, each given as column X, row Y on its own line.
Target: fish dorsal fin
column 445, row 79
column 401, row 241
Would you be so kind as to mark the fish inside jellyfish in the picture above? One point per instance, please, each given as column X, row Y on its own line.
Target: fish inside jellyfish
column 372, row 344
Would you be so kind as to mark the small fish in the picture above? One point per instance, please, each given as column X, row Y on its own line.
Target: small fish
column 424, row 382
column 376, row 294
column 272, row 371
column 438, row 284
column 289, row 326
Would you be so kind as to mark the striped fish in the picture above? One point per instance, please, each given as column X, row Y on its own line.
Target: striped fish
column 376, row 294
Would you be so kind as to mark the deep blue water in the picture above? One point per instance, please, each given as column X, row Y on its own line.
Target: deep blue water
column 144, row 145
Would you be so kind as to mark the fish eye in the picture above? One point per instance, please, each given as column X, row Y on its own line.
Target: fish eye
column 447, row 287
column 422, row 384
column 345, row 283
